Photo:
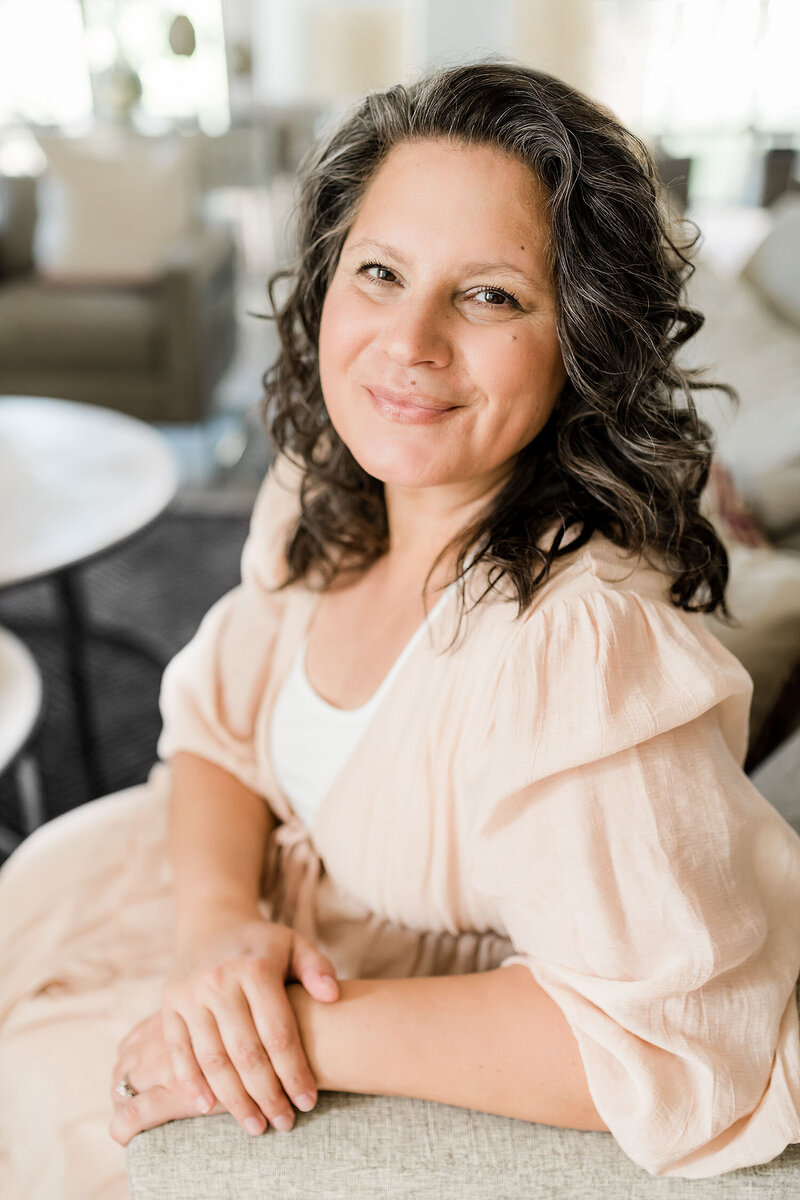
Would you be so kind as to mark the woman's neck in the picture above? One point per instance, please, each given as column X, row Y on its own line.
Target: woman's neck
column 423, row 521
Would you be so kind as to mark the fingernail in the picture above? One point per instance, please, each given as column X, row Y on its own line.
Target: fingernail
column 329, row 981
column 253, row 1125
column 306, row 1102
column 204, row 1104
column 284, row 1122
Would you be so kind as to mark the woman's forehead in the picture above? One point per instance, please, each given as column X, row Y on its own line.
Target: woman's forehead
column 475, row 197
column 447, row 159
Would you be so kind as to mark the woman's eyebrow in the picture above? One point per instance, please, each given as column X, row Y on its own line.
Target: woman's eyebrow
column 468, row 268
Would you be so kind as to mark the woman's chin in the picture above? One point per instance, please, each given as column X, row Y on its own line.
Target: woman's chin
column 403, row 470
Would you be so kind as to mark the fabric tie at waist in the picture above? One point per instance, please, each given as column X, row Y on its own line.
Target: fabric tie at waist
column 291, row 874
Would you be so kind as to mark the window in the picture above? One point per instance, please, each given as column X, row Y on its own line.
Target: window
column 53, row 53
column 44, row 75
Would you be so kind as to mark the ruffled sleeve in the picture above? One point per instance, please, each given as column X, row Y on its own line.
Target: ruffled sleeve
column 212, row 689
column 649, row 888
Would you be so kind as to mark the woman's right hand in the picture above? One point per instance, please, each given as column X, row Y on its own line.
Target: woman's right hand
column 230, row 1026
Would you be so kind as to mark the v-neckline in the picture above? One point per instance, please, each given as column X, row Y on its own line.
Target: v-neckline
column 288, row 653
column 313, row 601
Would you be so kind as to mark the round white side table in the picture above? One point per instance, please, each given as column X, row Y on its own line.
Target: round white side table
column 20, row 707
column 76, row 480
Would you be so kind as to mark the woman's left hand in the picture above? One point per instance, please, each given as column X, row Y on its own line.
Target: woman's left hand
column 145, row 1060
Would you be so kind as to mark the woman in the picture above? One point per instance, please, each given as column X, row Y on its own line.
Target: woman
column 524, row 799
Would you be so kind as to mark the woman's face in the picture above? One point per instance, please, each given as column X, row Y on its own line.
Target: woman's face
column 438, row 353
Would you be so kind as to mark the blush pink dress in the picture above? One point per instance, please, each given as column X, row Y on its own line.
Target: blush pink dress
column 563, row 790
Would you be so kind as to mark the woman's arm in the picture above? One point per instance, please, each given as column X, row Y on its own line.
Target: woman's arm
column 226, row 1016
column 218, row 832
column 492, row 1041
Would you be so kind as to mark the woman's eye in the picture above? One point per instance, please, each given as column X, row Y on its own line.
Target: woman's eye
column 383, row 274
column 496, row 298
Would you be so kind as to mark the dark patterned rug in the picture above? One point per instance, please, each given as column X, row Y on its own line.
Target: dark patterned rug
column 156, row 588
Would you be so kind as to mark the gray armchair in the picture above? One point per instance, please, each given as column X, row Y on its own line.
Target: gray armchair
column 154, row 351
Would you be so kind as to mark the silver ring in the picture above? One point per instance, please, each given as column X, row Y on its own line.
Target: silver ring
column 126, row 1089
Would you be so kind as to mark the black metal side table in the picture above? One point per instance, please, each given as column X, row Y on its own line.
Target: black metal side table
column 20, row 713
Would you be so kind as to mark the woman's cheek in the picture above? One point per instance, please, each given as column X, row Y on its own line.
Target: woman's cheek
column 326, row 340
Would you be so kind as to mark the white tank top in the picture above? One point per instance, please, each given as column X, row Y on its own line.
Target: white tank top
column 310, row 739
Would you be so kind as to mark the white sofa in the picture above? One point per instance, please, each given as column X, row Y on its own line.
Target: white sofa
column 751, row 339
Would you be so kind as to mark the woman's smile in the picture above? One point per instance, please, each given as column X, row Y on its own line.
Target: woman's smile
column 409, row 409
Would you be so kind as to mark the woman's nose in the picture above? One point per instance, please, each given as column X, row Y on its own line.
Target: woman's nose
column 418, row 330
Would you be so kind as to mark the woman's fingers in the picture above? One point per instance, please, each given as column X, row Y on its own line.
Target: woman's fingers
column 276, row 1028
column 145, row 1055
column 252, row 1050
column 316, row 972
column 183, row 1063
column 144, row 1059
column 154, row 1106
column 236, row 1066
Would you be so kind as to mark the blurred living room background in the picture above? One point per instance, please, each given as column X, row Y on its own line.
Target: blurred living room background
column 148, row 156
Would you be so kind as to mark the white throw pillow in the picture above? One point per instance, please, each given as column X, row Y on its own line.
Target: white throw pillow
column 111, row 205
column 774, row 266
column 745, row 343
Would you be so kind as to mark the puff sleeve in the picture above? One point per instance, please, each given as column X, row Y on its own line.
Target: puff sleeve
column 652, row 892
column 211, row 691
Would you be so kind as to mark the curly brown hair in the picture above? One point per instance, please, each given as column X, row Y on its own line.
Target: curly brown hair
column 624, row 452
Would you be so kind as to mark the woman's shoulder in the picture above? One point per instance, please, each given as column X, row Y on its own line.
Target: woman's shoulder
column 274, row 514
column 278, row 497
column 604, row 596
column 606, row 658
column 602, row 568
column 598, row 575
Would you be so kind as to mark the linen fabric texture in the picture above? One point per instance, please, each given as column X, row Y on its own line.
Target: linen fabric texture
column 569, row 780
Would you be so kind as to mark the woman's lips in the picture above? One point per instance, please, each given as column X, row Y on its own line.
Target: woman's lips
column 406, row 411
